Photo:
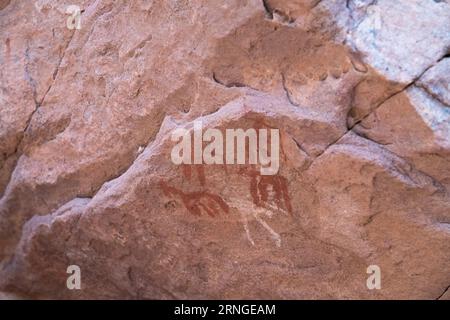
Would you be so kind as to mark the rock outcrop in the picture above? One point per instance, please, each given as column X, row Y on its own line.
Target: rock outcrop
column 359, row 91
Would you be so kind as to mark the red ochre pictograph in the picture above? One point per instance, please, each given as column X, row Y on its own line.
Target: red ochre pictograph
column 266, row 191
column 197, row 202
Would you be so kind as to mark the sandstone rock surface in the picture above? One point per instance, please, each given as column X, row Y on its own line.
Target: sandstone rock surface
column 359, row 91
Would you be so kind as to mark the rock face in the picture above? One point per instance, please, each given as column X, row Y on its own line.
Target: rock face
column 359, row 91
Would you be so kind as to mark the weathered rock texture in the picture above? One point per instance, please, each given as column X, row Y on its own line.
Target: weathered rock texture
column 359, row 90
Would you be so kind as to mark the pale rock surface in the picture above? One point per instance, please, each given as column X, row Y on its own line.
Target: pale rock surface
column 436, row 81
column 398, row 42
column 358, row 89
column 396, row 39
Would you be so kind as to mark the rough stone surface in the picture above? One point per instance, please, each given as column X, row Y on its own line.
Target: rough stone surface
column 436, row 82
column 398, row 41
column 358, row 89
